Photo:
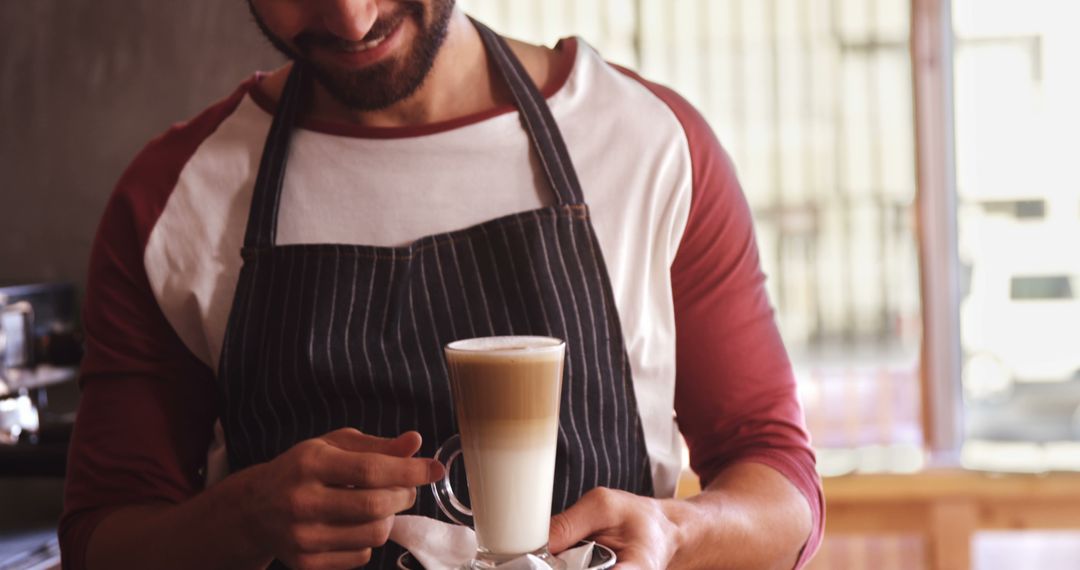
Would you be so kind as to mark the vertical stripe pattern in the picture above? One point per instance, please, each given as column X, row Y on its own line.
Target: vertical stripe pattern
column 325, row 336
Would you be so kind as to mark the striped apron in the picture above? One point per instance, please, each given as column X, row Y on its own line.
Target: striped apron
column 323, row 336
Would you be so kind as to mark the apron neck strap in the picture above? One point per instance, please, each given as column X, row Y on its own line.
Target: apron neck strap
column 535, row 115
column 266, row 198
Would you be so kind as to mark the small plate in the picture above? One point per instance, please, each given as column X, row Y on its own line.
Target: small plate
column 602, row 558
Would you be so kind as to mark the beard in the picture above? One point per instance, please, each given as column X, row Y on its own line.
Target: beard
column 381, row 84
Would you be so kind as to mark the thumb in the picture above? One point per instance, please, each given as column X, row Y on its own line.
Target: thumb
column 585, row 518
column 562, row 533
column 352, row 439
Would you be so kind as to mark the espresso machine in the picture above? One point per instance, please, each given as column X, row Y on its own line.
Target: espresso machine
column 17, row 412
column 40, row 349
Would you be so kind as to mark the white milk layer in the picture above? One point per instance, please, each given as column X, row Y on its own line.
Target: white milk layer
column 510, row 492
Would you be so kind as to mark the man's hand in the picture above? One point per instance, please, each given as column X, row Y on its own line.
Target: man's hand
column 643, row 531
column 748, row 517
column 326, row 502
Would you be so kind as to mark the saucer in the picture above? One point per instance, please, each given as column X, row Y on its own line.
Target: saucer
column 603, row 558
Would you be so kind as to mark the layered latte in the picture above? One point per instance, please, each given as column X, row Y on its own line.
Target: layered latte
column 506, row 393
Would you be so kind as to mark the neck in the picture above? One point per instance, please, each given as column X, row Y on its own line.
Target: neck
column 457, row 84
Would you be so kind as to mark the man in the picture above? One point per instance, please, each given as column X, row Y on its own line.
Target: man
column 290, row 262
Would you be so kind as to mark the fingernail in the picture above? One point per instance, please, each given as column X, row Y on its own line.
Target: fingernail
column 435, row 470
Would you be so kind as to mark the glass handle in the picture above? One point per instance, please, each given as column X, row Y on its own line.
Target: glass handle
column 443, row 491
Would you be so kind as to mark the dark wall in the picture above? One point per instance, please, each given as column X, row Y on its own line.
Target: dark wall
column 84, row 84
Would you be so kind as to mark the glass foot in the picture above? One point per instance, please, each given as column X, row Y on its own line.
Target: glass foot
column 490, row 561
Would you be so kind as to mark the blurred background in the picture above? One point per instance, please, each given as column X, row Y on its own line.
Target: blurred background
column 911, row 166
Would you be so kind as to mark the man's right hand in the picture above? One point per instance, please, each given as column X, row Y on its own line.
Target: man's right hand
column 326, row 502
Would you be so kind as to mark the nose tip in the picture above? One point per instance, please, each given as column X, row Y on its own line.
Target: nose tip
column 350, row 19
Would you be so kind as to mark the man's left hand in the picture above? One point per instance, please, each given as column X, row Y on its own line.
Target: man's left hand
column 644, row 532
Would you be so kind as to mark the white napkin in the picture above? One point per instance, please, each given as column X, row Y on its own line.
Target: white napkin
column 443, row 546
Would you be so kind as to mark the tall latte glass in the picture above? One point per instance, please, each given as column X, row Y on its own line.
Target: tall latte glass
column 506, row 395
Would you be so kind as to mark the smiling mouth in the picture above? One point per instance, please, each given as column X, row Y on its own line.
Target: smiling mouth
column 357, row 47
column 374, row 39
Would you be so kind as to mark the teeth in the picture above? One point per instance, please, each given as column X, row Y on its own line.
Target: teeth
column 363, row 46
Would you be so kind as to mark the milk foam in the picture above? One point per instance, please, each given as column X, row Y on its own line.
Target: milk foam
column 499, row 345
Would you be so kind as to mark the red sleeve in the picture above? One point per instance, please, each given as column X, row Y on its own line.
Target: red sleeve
column 735, row 397
column 147, row 406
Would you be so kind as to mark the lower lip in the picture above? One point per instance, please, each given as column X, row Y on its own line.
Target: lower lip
column 368, row 56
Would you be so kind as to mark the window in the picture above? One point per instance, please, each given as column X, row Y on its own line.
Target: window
column 1016, row 87
column 813, row 99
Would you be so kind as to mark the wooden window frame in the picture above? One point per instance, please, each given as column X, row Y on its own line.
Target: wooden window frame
column 936, row 211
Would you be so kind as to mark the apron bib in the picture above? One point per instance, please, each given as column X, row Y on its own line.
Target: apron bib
column 324, row 336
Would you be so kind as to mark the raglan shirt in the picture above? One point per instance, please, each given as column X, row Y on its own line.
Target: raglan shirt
column 672, row 222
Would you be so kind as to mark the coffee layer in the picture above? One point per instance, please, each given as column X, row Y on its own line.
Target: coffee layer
column 511, row 386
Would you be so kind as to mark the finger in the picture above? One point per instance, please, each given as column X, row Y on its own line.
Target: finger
column 313, row 539
column 404, row 445
column 351, row 506
column 330, row 560
column 374, row 470
column 351, row 439
column 598, row 510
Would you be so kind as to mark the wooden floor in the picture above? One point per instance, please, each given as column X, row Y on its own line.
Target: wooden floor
column 928, row 520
